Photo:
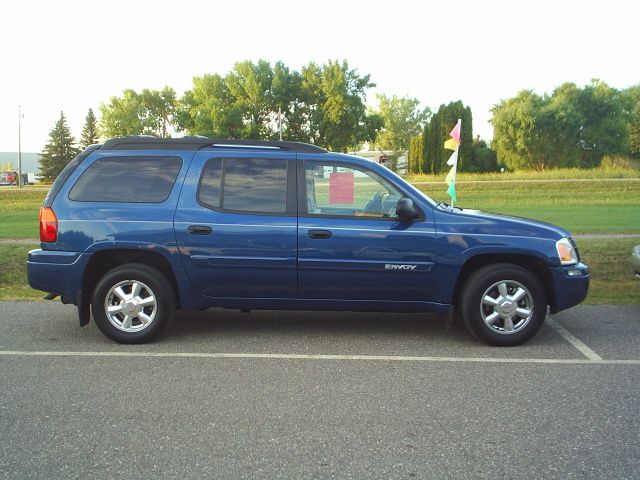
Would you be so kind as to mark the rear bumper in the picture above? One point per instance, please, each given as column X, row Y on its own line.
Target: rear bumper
column 56, row 272
column 571, row 284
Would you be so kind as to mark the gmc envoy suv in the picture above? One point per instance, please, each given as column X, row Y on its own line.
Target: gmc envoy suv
column 138, row 227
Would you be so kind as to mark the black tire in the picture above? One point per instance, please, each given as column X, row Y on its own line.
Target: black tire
column 153, row 285
column 506, row 322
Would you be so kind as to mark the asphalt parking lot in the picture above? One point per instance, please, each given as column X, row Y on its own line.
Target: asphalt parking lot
column 318, row 395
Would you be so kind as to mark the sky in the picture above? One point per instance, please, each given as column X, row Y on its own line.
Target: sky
column 70, row 56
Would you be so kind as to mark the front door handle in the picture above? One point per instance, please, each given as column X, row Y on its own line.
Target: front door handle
column 319, row 234
column 199, row 230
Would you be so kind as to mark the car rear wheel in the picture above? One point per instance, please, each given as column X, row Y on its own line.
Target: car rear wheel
column 503, row 304
column 133, row 303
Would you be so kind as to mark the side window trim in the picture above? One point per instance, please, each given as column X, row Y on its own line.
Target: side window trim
column 302, row 192
column 290, row 197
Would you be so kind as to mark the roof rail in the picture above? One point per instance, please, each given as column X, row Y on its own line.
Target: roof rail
column 146, row 142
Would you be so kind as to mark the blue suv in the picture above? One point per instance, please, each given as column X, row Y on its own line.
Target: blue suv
column 138, row 227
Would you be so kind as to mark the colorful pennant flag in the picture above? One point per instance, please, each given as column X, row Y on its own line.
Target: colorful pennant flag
column 453, row 144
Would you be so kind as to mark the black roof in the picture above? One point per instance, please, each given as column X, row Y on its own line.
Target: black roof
column 144, row 142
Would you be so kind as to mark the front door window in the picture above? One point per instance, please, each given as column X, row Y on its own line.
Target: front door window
column 337, row 190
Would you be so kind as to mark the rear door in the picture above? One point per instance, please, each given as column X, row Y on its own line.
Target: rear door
column 351, row 244
column 236, row 224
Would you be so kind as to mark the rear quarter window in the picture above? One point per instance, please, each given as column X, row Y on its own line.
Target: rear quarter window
column 127, row 180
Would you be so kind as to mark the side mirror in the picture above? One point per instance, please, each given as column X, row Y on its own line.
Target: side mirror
column 406, row 210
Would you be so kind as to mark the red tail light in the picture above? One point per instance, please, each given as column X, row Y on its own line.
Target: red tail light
column 48, row 225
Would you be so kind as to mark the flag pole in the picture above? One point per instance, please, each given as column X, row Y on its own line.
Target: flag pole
column 455, row 172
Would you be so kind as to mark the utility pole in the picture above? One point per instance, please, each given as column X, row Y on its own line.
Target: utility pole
column 280, row 123
column 19, row 147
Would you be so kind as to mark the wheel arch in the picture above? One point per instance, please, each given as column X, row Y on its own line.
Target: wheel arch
column 105, row 260
column 533, row 264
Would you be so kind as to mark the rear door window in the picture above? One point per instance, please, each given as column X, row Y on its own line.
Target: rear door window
column 127, row 180
column 245, row 185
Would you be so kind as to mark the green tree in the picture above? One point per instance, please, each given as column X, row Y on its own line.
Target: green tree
column 122, row 115
column 441, row 124
column 58, row 151
column 631, row 105
column 484, row 158
column 249, row 85
column 513, row 121
column 634, row 133
column 434, row 151
column 416, row 154
column 413, row 157
column 604, row 129
column 341, row 119
column 287, row 103
column 324, row 105
column 466, row 153
column 244, row 103
column 151, row 112
column 89, row 131
column 158, row 111
column 208, row 109
column 403, row 120
column 533, row 131
column 571, row 127
column 424, row 168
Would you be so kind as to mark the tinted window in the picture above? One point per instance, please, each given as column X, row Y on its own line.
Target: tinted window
column 249, row 184
column 127, row 180
column 209, row 190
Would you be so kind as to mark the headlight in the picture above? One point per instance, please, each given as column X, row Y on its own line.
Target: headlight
column 566, row 252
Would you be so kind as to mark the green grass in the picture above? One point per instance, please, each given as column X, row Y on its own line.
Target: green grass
column 19, row 212
column 612, row 281
column 13, row 273
column 19, row 224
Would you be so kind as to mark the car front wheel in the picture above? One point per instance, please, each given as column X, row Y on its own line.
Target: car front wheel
column 133, row 303
column 503, row 304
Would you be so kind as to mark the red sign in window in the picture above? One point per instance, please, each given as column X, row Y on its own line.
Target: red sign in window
column 341, row 186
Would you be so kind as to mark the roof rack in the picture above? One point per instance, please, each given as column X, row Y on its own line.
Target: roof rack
column 146, row 142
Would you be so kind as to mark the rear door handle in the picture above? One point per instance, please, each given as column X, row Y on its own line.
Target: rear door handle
column 199, row 230
column 319, row 234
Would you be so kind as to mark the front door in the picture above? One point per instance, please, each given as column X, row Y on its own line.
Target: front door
column 236, row 225
column 351, row 245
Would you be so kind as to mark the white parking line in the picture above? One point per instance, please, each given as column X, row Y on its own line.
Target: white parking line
column 569, row 337
column 296, row 356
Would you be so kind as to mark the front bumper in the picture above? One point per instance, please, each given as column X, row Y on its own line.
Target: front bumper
column 571, row 286
column 56, row 272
